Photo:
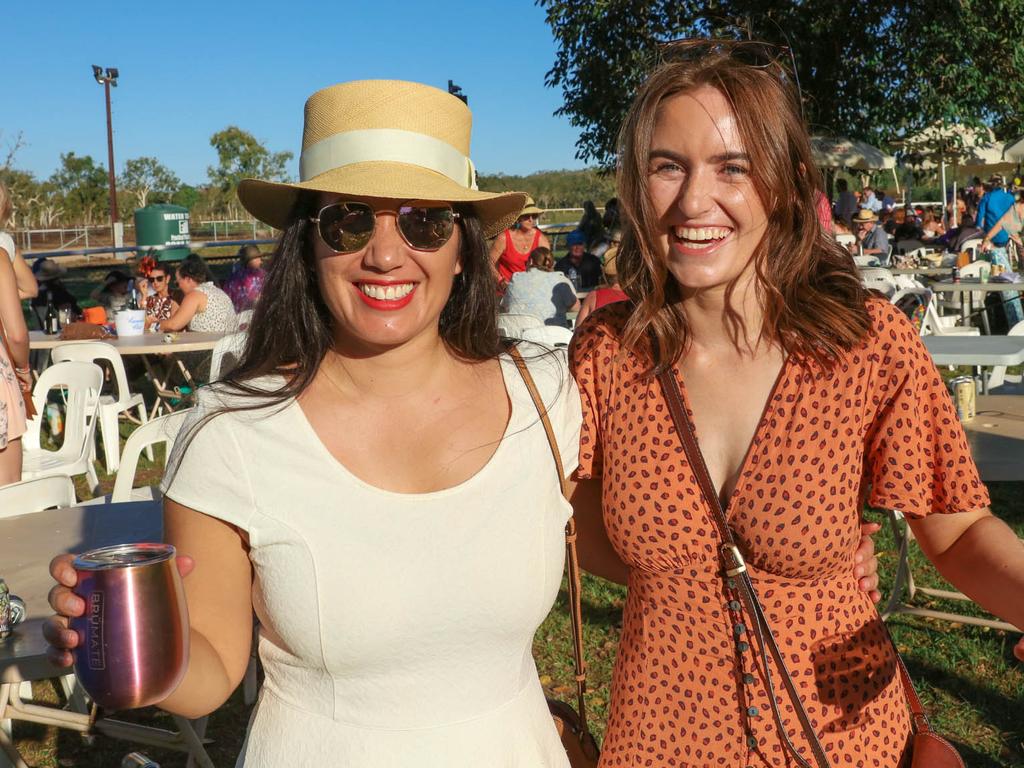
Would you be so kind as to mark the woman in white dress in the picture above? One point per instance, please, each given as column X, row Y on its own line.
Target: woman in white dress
column 373, row 480
column 393, row 517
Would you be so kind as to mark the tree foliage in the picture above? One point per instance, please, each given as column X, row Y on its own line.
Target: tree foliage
column 868, row 71
column 555, row 189
column 147, row 177
column 82, row 186
column 240, row 156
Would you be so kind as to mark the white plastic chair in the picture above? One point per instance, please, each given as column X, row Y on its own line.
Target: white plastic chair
column 845, row 239
column 512, row 324
column 879, row 279
column 226, row 353
column 163, row 429
column 110, row 407
column 999, row 376
column 36, row 495
column 244, row 318
column 82, row 382
column 972, row 246
column 552, row 335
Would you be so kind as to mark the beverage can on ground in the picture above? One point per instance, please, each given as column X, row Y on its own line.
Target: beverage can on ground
column 965, row 397
column 5, row 610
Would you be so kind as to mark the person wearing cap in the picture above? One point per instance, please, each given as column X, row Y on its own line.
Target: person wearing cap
column 582, row 268
column 541, row 292
column 372, row 478
column 605, row 294
column 245, row 284
column 511, row 250
column 871, row 240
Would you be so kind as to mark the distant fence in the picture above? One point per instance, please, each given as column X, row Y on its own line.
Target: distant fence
column 35, row 242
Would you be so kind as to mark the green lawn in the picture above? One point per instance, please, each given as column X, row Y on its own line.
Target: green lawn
column 967, row 677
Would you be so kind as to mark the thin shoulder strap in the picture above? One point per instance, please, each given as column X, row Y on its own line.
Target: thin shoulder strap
column 571, row 557
column 735, row 568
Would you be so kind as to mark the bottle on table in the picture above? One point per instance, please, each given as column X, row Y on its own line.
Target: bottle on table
column 51, row 321
column 133, row 296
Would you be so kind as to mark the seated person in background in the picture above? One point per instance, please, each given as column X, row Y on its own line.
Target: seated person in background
column 840, row 227
column 583, row 269
column 112, row 294
column 871, row 238
column 154, row 286
column 540, row 292
column 955, row 237
column 910, row 229
column 51, row 288
column 205, row 307
column 246, row 281
column 931, row 227
column 609, row 293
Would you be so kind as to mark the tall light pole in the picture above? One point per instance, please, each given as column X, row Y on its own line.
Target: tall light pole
column 108, row 78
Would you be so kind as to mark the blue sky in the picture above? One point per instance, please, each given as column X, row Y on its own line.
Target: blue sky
column 189, row 69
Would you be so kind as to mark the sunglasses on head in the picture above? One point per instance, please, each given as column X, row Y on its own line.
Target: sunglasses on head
column 347, row 226
column 753, row 53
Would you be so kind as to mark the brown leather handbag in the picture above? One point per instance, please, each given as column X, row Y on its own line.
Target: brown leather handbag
column 577, row 739
column 928, row 749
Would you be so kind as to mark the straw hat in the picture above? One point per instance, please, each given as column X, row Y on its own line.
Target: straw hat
column 610, row 266
column 384, row 138
column 531, row 208
column 864, row 214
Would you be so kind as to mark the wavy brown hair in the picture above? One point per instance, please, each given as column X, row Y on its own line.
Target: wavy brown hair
column 807, row 284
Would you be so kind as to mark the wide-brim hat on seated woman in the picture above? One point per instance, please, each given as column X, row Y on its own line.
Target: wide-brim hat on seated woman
column 384, row 138
column 531, row 209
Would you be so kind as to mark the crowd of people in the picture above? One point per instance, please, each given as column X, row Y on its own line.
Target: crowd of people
column 398, row 587
column 729, row 370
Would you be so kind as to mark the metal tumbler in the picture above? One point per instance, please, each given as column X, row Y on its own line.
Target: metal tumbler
column 133, row 637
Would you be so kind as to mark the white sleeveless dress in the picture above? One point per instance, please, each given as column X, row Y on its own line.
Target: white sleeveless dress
column 395, row 629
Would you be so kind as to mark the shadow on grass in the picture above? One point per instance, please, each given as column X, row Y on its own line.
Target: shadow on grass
column 995, row 710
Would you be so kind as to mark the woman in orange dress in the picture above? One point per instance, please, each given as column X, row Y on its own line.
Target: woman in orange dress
column 808, row 398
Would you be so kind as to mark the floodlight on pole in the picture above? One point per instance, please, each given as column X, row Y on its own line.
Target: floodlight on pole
column 107, row 79
column 456, row 91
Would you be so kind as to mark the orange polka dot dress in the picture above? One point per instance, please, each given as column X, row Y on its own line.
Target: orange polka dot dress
column 689, row 688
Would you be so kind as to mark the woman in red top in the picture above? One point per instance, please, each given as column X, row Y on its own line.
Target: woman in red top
column 808, row 398
column 608, row 293
column 511, row 250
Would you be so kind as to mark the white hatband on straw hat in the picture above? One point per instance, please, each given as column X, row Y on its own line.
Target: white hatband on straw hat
column 384, row 139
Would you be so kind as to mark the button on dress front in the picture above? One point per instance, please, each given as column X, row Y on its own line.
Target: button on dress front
column 689, row 688
column 395, row 629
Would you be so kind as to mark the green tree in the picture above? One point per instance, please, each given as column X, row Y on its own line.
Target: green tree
column 186, row 196
column 867, row 71
column 240, row 155
column 146, row 177
column 82, row 186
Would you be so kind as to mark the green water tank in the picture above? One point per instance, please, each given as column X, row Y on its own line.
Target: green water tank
column 163, row 224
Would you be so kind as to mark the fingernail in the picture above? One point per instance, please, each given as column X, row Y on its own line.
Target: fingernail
column 858, row 571
column 858, row 558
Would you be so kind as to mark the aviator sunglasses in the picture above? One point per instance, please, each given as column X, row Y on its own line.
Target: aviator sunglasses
column 347, row 226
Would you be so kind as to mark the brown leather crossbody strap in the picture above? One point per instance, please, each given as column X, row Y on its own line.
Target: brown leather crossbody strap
column 571, row 557
column 736, row 569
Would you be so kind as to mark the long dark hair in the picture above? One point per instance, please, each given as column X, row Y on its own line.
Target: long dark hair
column 290, row 332
column 810, row 292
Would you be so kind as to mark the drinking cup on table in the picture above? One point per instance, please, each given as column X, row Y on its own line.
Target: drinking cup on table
column 983, row 271
column 133, row 636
